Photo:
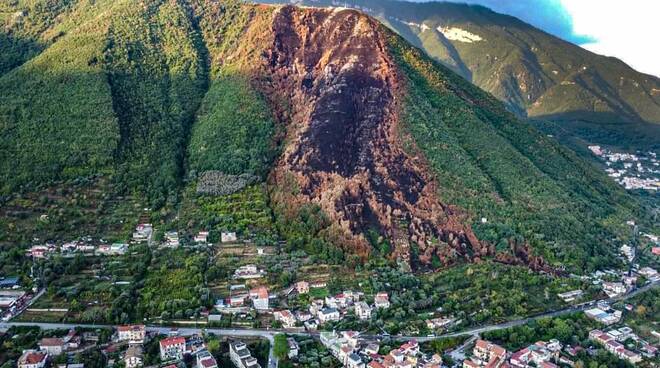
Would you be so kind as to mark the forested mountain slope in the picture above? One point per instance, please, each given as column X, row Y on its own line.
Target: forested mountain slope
column 533, row 73
column 366, row 145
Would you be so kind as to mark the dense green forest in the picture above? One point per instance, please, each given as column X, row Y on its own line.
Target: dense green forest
column 152, row 95
column 499, row 168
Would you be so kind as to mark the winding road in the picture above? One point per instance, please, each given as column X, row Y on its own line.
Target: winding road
column 269, row 334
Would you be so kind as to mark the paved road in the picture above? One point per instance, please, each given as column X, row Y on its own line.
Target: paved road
column 269, row 334
column 164, row 330
column 561, row 312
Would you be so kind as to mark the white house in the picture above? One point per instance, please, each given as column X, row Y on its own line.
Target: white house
column 52, row 346
column 134, row 334
column 172, row 348
column 133, row 357
column 354, row 361
column 613, row 289
column 259, row 298
column 362, row 310
column 302, row 287
column 286, row 317
column 293, row 347
column 228, row 237
column 247, row 272
column 328, row 314
column 241, row 356
column 206, row 360
column 201, row 237
column 382, row 300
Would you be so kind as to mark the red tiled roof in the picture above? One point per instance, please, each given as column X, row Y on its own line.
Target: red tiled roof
column 261, row 292
column 130, row 328
column 32, row 358
column 51, row 341
column 177, row 340
column 209, row 362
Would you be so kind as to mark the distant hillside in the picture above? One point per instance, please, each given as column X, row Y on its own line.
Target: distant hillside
column 533, row 73
column 366, row 146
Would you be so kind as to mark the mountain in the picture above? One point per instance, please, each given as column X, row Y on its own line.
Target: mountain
column 534, row 73
column 366, row 146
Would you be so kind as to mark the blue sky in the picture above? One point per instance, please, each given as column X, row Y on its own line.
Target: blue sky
column 625, row 29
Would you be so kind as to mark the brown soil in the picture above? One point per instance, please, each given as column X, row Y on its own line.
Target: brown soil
column 342, row 149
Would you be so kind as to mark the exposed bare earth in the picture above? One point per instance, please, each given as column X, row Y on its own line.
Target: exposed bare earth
column 342, row 150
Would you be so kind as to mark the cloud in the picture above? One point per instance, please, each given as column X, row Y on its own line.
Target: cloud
column 548, row 15
column 627, row 30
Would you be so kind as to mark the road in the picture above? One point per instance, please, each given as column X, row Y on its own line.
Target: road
column 269, row 334
column 164, row 330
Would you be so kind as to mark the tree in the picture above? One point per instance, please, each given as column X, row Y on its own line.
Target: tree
column 281, row 347
column 214, row 346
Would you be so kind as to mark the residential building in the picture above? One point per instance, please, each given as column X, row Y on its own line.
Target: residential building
column 487, row 354
column 371, row 349
column 303, row 316
column 293, row 347
column 259, row 298
column 362, row 310
column 302, row 287
column 536, row 355
column 337, row 301
column 649, row 273
column 52, row 346
column 172, row 348
column 241, row 356
column 237, row 300
column 312, row 325
column 571, row 296
column 228, row 237
column 172, row 239
column 133, row 357
column 315, row 306
column 343, row 353
column 439, row 323
column 247, row 272
column 206, row 360
column 354, row 361
column 628, row 252
column 195, row 344
column 328, row 314
column 382, row 300
column 610, row 344
column 9, row 282
column 350, row 338
column 286, row 317
column 201, row 237
column 134, row 334
column 32, row 359
column 602, row 316
column 613, row 289
column 649, row 351
column 142, row 233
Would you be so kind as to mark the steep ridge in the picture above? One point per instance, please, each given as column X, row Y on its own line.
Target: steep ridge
column 345, row 156
column 365, row 144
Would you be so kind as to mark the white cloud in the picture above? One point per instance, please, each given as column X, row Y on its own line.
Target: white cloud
column 628, row 30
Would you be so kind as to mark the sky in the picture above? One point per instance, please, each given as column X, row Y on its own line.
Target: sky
column 628, row 30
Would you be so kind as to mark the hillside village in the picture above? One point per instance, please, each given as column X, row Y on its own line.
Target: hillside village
column 640, row 170
column 305, row 306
